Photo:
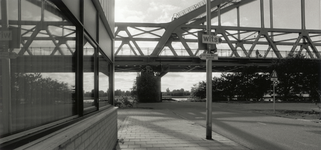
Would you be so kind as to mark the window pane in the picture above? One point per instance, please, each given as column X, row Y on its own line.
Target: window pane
column 89, row 76
column 103, row 81
column 42, row 73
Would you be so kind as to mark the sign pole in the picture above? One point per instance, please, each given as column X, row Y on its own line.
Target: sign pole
column 5, row 68
column 274, row 79
column 274, row 97
column 208, row 76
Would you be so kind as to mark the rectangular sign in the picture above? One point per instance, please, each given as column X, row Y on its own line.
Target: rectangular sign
column 210, row 39
column 8, row 55
column 205, row 56
column 5, row 35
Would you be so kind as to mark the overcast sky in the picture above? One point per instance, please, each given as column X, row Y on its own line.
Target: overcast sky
column 160, row 11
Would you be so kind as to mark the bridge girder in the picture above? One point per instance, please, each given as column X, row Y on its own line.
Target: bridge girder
column 241, row 41
column 162, row 65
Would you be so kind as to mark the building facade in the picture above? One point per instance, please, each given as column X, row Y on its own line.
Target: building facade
column 57, row 74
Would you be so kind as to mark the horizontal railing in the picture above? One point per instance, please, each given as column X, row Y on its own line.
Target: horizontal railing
column 42, row 51
column 189, row 9
column 220, row 52
column 198, row 5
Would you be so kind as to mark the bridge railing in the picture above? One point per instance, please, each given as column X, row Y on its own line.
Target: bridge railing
column 200, row 4
column 189, row 9
column 166, row 52
column 220, row 52
column 43, row 51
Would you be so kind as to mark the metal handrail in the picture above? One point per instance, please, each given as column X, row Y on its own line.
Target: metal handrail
column 224, row 5
column 200, row 4
column 189, row 9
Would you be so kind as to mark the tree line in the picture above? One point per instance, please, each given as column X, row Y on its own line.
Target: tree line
column 176, row 92
column 298, row 80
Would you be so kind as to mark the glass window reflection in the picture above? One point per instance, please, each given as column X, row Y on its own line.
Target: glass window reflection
column 104, row 93
column 89, row 76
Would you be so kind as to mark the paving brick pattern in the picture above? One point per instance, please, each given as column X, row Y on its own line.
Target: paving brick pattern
column 145, row 129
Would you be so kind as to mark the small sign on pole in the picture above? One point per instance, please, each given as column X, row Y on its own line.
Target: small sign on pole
column 210, row 39
column 5, row 35
column 10, row 55
column 13, row 36
column 274, row 76
column 208, row 56
column 204, row 46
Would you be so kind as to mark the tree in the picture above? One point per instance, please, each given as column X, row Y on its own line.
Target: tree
column 32, row 88
column 199, row 90
column 168, row 91
column 118, row 92
column 297, row 75
column 246, row 85
column 230, row 84
column 147, row 86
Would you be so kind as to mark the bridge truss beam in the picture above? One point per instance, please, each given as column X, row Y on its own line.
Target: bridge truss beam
column 238, row 41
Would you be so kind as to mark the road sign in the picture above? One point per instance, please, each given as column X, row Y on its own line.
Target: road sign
column 10, row 55
column 274, row 76
column 13, row 36
column 204, row 46
column 274, row 79
column 210, row 39
column 5, row 35
column 205, row 56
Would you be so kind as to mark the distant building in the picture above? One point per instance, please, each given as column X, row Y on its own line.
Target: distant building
column 56, row 76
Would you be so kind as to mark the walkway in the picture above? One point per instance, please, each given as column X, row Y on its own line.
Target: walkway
column 159, row 129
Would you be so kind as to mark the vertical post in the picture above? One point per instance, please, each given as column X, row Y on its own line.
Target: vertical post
column 271, row 18
column 80, row 65
column 238, row 22
column 96, row 78
column 274, row 96
column 219, row 15
column 111, row 83
column 208, row 77
column 6, row 71
column 303, row 14
column 262, row 13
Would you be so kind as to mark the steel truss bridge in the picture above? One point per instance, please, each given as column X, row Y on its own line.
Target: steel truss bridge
column 155, row 44
column 240, row 45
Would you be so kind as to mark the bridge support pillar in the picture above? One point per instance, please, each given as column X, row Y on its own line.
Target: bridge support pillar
column 148, row 86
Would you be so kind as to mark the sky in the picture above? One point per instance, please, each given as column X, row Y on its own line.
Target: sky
column 161, row 11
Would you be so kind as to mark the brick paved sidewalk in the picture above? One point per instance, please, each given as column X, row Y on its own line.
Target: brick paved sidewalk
column 150, row 129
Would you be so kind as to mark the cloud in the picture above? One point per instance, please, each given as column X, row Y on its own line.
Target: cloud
column 149, row 10
column 164, row 11
column 126, row 15
column 125, row 80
